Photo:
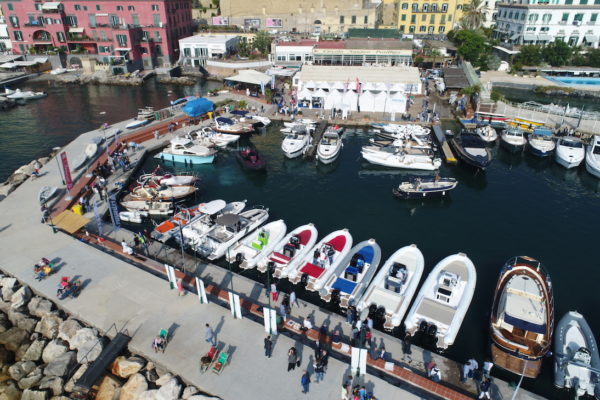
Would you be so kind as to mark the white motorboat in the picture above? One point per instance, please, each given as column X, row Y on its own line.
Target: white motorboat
column 133, row 216
column 256, row 119
column 90, row 150
column 570, row 151
column 289, row 251
column 487, row 133
column 228, row 230
column 216, row 138
column 154, row 180
column 79, row 161
column 137, row 123
column 316, row 267
column 443, row 301
column 184, row 150
column 592, row 157
column 197, row 228
column 353, row 274
column 46, row 193
column 257, row 244
column 394, row 286
column 295, row 143
column 300, row 122
column 166, row 229
column 540, row 142
column 58, row 71
column 402, row 131
column 152, row 207
column 26, row 95
column 576, row 359
column 513, row 139
column 161, row 193
column 397, row 158
column 330, row 146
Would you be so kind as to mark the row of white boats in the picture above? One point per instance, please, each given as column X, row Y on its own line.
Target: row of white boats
column 22, row 95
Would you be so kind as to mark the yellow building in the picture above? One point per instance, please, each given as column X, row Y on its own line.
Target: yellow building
column 429, row 17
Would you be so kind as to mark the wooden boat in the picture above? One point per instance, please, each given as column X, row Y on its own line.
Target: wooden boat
column 46, row 193
column 522, row 317
column 394, row 286
column 166, row 229
column 168, row 193
column 250, row 249
column 227, row 125
column 419, row 188
column 251, row 159
column 152, row 207
column 289, row 251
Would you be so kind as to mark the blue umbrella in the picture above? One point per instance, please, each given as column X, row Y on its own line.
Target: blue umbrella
column 198, row 107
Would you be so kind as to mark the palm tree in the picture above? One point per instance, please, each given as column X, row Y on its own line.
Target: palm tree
column 435, row 53
column 474, row 14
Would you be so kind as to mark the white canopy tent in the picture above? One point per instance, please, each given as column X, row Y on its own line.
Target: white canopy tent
column 367, row 101
column 334, row 100
column 250, row 76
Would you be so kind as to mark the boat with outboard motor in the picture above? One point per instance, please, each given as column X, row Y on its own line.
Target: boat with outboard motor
column 406, row 158
column 443, row 301
column 522, row 317
column 160, row 193
column 419, row 188
column 166, row 229
column 133, row 216
column 487, row 133
column 570, row 151
column 513, row 139
column 289, row 251
column 353, row 274
column 592, row 157
column 540, row 142
column 394, row 286
column 209, row 135
column 195, row 230
column 227, row 125
column 184, row 150
column 471, row 149
column 156, row 179
column 252, row 248
column 576, row 359
column 330, row 146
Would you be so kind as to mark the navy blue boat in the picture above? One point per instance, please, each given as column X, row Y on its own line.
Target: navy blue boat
column 471, row 149
column 419, row 188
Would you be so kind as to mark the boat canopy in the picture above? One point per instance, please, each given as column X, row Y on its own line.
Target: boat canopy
column 228, row 219
column 542, row 132
column 212, row 207
column 525, row 325
column 181, row 141
column 239, row 112
column 226, row 121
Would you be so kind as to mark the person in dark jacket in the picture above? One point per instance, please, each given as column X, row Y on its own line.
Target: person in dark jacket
column 268, row 346
column 292, row 358
column 305, row 381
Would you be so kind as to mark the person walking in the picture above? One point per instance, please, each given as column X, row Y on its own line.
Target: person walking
column 292, row 358
column 209, row 335
column 294, row 300
column 487, row 368
column 319, row 370
column 179, row 284
column 305, row 381
column 484, row 389
column 268, row 346
column 283, row 311
column 406, row 348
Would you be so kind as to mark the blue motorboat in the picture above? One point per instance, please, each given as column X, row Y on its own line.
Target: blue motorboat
column 184, row 150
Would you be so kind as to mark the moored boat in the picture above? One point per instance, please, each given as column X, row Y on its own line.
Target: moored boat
column 289, row 251
column 330, row 146
column 570, row 151
column 487, row 133
column 443, row 301
column 183, row 150
column 133, row 216
column 227, row 125
column 251, row 159
column 513, row 139
column 395, row 157
column 592, row 157
column 196, row 229
column 295, row 143
column 218, row 139
column 522, row 317
column 259, row 243
column 419, row 188
column 540, row 143
column 163, row 193
column 394, row 286
column 471, row 149
column 166, row 229
column 152, row 207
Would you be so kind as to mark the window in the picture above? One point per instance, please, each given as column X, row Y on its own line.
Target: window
column 18, row 36
column 425, row 7
column 450, row 18
column 14, row 21
column 546, row 18
column 60, row 36
column 77, row 7
column 354, row 19
column 156, row 20
column 122, row 40
column 38, row 6
column 401, row 28
column 71, row 20
column 157, row 36
column 533, row 18
column 413, row 19
column 593, row 17
column 84, row 8
column 154, row 7
column 422, row 28
column 405, row 6
column 130, row 8
column 92, row 19
column 412, row 29
column 565, row 17
column 103, row 35
column 568, row 1
column 441, row 29
column 10, row 6
column 510, row 15
column 94, row 34
column 97, row 7
column 403, row 17
column 432, row 19
column 530, row 29
column 423, row 18
column 434, row 7
column 445, row 7
column 341, row 19
column 583, row 2
column 442, row 19
column 135, row 19
column 119, row 8
column 104, row 49
column 159, row 51
column 596, row 2
column 415, row 7
column 578, row 17
column 366, row 21
column 145, row 36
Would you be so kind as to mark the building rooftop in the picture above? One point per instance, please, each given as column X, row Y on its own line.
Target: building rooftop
column 340, row 73
column 207, row 39
column 455, row 78
column 370, row 44
column 373, row 33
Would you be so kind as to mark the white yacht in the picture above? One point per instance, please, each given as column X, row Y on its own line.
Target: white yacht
column 329, row 147
column 513, row 139
column 394, row 286
column 390, row 156
column 592, row 157
column 289, row 251
column 207, row 137
column 257, row 244
column 540, row 142
column 228, row 229
column 570, row 151
column 443, row 300
column 487, row 133
column 295, row 143
column 184, row 150
column 197, row 228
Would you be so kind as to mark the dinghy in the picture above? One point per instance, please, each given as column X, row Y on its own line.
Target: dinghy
column 133, row 216
column 166, row 229
column 394, row 286
column 316, row 267
column 46, row 193
column 592, row 157
column 419, row 188
column 391, row 156
column 251, row 160
column 443, row 301
column 257, row 244
column 570, row 151
column 289, row 251
column 576, row 359
column 353, row 274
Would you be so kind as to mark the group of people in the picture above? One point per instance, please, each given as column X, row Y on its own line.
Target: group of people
column 471, row 371
column 42, row 269
column 67, row 287
column 325, row 253
column 355, row 392
column 120, row 159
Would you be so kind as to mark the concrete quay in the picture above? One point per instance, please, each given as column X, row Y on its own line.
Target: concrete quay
column 142, row 303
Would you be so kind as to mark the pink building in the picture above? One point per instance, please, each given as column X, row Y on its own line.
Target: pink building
column 140, row 33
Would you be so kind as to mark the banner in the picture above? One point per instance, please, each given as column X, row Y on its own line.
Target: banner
column 114, row 211
column 97, row 217
column 220, row 20
column 358, row 362
column 66, row 170
column 252, row 23
column 273, row 82
column 201, row 291
column 235, row 305
column 273, row 23
column 171, row 276
column 270, row 320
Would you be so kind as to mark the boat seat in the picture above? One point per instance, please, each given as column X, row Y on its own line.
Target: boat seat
column 257, row 245
column 393, row 284
column 351, row 274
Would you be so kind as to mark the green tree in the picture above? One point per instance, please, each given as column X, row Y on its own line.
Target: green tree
column 262, row 42
column 435, row 53
column 530, row 55
column 243, row 47
column 593, row 58
column 493, row 62
column 471, row 45
column 474, row 14
column 557, row 53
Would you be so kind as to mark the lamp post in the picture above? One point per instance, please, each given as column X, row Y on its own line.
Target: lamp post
column 56, row 150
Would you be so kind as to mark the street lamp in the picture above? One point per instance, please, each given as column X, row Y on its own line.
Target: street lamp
column 56, row 150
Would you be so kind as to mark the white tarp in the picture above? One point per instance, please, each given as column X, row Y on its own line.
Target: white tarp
column 53, row 5
column 367, row 101
column 333, row 100
column 250, row 76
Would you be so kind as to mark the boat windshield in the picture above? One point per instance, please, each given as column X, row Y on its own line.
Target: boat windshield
column 572, row 143
column 597, row 150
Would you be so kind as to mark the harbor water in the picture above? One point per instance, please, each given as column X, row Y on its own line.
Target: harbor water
column 520, row 206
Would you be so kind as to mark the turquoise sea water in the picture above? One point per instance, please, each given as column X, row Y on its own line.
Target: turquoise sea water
column 575, row 80
column 520, row 206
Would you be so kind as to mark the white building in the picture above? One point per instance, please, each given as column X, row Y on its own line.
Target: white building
column 357, row 88
column 490, row 12
column 5, row 43
column 195, row 50
column 543, row 21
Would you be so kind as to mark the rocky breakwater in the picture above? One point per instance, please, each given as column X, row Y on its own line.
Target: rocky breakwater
column 101, row 78
column 21, row 174
column 43, row 352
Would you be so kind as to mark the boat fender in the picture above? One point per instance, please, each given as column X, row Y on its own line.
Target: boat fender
column 432, row 330
column 304, row 279
column 271, row 267
column 239, row 257
column 423, row 326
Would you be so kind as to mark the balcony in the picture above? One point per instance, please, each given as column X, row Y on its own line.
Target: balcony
column 591, row 23
column 79, row 38
column 152, row 40
column 33, row 24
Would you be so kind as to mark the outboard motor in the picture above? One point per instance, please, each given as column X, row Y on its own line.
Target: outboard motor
column 372, row 309
column 304, row 279
column 432, row 330
column 423, row 326
column 271, row 267
column 239, row 257
column 295, row 241
column 380, row 313
column 335, row 296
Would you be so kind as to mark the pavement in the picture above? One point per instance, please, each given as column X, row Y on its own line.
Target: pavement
column 117, row 293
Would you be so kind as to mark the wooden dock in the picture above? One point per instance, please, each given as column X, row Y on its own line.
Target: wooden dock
column 316, row 138
column 446, row 150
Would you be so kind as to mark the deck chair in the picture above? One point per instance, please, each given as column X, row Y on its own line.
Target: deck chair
column 221, row 362
column 207, row 360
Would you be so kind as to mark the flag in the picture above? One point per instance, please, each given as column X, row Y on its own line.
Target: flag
column 357, row 86
column 262, row 87
column 273, row 82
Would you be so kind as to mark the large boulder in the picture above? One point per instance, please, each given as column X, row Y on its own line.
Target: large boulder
column 9, row 390
column 81, row 337
column 124, row 367
column 169, row 391
column 7, row 282
column 148, row 395
column 21, row 369
column 164, row 379
column 34, row 351
column 53, row 350
column 89, row 351
column 109, row 389
column 13, row 338
column 61, row 365
column 48, row 325
column 5, row 324
column 31, row 380
column 136, row 384
column 203, row 397
column 5, row 357
column 68, row 329
column 38, row 306
column 188, row 392
column 151, row 375
column 78, row 374
column 22, row 320
column 53, row 383
column 34, row 395
column 20, row 298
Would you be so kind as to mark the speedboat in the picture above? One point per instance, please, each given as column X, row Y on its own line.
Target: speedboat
column 137, row 123
column 228, row 230
column 257, row 244
column 184, row 150
column 570, row 151
column 151, row 207
column 132, row 216
column 330, row 146
column 166, row 229
column 218, row 139
column 522, row 317
column 161, row 193
column 391, row 156
column 146, row 113
column 196, row 229
column 394, row 286
column 443, row 301
column 300, row 122
column 576, row 359
column 353, row 274
column 513, row 139
column 251, row 159
column 419, row 188
column 592, row 157
column 227, row 125
column 26, row 95
column 289, row 251
column 471, row 149
column 153, row 179
column 314, row 269
column 295, row 143
column 540, row 143
column 487, row 133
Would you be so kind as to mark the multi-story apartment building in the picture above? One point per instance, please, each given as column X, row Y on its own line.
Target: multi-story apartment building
column 429, row 17
column 307, row 16
column 543, row 21
column 142, row 32
column 5, row 43
column 389, row 14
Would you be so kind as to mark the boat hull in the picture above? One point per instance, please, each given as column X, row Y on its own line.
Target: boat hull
column 592, row 170
column 186, row 159
column 531, row 149
column 511, row 147
column 394, row 162
column 568, row 164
